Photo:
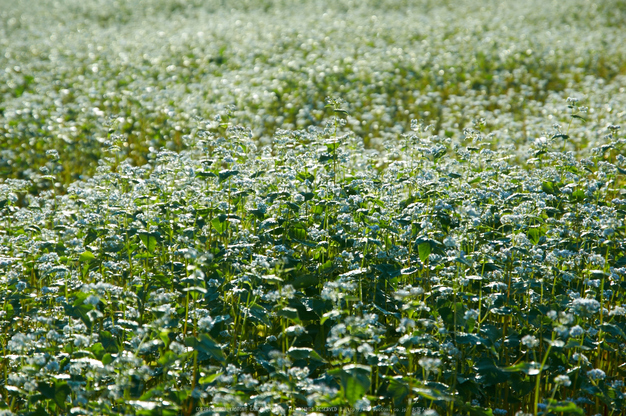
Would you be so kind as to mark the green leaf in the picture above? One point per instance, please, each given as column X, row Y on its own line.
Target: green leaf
column 259, row 214
column 204, row 343
column 57, row 392
column 258, row 314
column 219, row 226
column 302, row 176
column 108, row 341
column 472, row 410
column 325, row 157
column 355, row 381
column 569, row 408
column 225, row 174
column 579, row 118
column 79, row 310
column 39, row 411
column 614, row 330
column 304, row 353
column 424, row 251
column 305, row 280
column 549, row 187
column 397, row 390
column 490, row 373
column 107, row 359
column 293, row 207
column 298, row 231
column 529, row 368
column 149, row 241
column 561, row 136
column 92, row 235
column 430, row 393
column 289, row 313
column 209, row 379
column 468, row 339
column 326, row 267
column 86, row 257
column 208, row 174
column 168, row 359
column 272, row 278
column 332, row 145
column 535, row 233
column 195, row 289
column 10, row 311
column 577, row 196
column 410, row 270
column 440, row 153
column 98, row 350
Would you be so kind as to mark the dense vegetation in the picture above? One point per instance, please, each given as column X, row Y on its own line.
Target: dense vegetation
column 188, row 225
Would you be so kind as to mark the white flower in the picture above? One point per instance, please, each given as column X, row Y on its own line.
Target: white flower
column 362, row 405
column 18, row 342
column 530, row 341
column 92, row 300
column 596, row 374
column 584, row 306
column 449, row 242
column 295, row 330
column 576, row 331
column 471, row 314
column 206, row 323
column 52, row 154
column 430, row 364
column 177, row 348
column 562, row 380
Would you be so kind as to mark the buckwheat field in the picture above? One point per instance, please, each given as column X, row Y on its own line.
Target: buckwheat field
column 281, row 207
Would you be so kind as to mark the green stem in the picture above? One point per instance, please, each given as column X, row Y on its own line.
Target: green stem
column 538, row 380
